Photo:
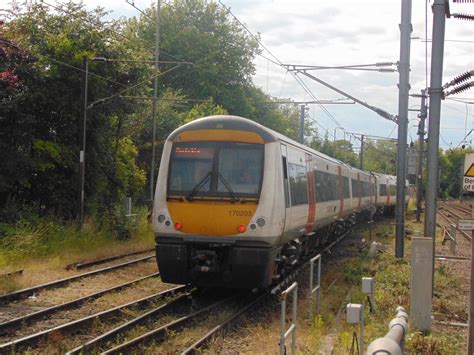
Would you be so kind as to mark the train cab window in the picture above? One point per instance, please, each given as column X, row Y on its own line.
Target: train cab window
column 298, row 184
column 240, row 170
column 215, row 169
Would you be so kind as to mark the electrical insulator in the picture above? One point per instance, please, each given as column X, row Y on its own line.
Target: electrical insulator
column 464, row 17
column 459, row 79
column 460, row 88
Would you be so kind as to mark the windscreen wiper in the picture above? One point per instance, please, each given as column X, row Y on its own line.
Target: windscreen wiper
column 199, row 186
column 227, row 186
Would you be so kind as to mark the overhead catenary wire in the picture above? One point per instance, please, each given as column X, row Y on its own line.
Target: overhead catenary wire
column 278, row 62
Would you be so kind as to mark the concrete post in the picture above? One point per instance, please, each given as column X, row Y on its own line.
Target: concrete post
column 420, row 282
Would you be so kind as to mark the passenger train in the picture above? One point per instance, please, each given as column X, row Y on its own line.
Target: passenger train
column 237, row 205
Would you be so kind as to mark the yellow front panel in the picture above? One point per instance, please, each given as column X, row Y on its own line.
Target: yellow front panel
column 219, row 135
column 211, row 218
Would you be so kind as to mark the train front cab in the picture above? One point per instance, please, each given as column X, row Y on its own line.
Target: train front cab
column 219, row 228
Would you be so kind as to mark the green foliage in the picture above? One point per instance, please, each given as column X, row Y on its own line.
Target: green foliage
column 380, row 156
column 339, row 149
column 417, row 343
column 40, row 123
column 451, row 165
column 207, row 108
column 56, row 241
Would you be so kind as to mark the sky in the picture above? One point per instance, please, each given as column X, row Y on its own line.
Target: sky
column 348, row 32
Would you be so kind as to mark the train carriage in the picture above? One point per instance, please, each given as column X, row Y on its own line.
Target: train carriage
column 238, row 204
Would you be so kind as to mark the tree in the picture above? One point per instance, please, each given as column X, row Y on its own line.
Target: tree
column 40, row 121
column 380, row 156
column 203, row 33
column 451, row 171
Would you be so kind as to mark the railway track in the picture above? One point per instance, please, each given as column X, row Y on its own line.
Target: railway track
column 17, row 295
column 83, row 324
column 30, row 317
column 448, row 217
column 149, row 321
column 88, row 264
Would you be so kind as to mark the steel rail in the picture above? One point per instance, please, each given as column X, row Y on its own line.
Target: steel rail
column 459, row 208
column 450, row 221
column 87, row 264
column 30, row 340
column 56, row 283
column 160, row 334
column 97, row 341
column 193, row 349
column 20, row 321
column 450, row 210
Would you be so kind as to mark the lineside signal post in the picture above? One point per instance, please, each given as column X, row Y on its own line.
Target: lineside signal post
column 468, row 224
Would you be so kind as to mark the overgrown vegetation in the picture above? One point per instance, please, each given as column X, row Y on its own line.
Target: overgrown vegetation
column 54, row 243
column 392, row 280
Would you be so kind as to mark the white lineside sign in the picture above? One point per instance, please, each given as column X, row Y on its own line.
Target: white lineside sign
column 468, row 176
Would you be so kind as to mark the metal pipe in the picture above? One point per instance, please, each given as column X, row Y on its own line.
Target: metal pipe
column 154, row 108
column 394, row 341
column 404, row 88
column 435, row 92
column 317, row 288
column 421, row 139
column 302, row 113
column 285, row 333
column 82, row 153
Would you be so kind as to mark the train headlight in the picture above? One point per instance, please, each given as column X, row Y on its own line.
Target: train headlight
column 161, row 218
column 261, row 222
column 242, row 228
column 178, row 226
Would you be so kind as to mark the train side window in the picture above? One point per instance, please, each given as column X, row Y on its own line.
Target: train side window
column 285, row 169
column 298, row 184
column 355, row 188
column 383, row 190
column 347, row 193
column 333, row 187
column 285, row 182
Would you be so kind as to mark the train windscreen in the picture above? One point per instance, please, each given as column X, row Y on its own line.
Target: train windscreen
column 215, row 169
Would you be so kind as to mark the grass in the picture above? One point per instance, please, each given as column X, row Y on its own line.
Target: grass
column 48, row 244
column 392, row 280
column 341, row 284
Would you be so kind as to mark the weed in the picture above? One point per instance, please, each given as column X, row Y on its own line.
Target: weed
column 54, row 243
column 417, row 343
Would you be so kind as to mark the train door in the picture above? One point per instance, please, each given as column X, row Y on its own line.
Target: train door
column 286, row 186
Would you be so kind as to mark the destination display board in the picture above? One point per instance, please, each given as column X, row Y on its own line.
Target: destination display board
column 468, row 177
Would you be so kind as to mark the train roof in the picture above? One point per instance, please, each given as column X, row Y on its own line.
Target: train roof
column 245, row 124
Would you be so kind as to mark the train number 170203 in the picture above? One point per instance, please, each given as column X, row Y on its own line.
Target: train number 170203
column 237, row 213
